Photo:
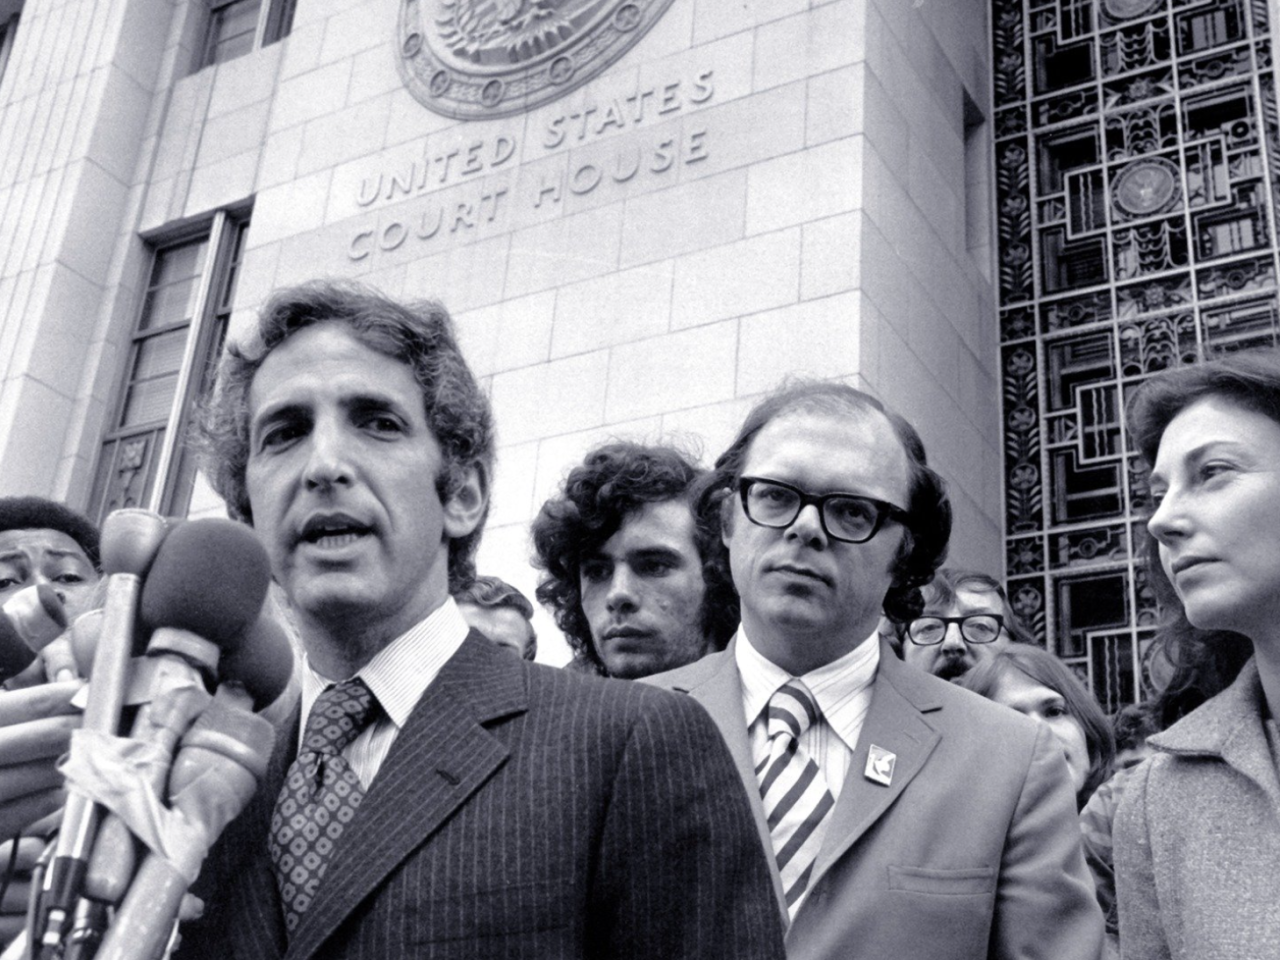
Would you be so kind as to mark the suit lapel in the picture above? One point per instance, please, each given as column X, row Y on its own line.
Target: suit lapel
column 439, row 759
column 720, row 692
column 895, row 723
column 257, row 928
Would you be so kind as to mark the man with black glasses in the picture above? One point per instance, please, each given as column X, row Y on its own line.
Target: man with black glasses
column 903, row 817
column 966, row 619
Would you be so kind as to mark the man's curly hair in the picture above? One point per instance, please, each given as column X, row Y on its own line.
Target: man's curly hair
column 613, row 482
column 928, row 525
column 420, row 335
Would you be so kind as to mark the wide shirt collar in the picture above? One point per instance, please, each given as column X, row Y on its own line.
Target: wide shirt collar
column 401, row 672
column 836, row 686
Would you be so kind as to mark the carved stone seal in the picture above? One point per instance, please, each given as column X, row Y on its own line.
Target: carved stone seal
column 474, row 59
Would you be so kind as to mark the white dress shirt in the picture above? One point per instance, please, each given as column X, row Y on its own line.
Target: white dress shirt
column 842, row 689
column 397, row 677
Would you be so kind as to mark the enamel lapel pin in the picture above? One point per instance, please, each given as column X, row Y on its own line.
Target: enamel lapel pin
column 880, row 763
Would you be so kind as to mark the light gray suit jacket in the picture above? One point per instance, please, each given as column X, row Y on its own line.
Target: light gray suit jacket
column 972, row 851
column 1197, row 837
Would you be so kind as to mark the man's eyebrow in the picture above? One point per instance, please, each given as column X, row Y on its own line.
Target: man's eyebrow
column 373, row 403
column 66, row 554
column 273, row 413
column 659, row 551
column 12, row 556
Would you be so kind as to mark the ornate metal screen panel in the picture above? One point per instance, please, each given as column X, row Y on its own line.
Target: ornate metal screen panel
column 1137, row 176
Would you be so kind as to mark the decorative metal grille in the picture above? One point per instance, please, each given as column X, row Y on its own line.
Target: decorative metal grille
column 1137, row 176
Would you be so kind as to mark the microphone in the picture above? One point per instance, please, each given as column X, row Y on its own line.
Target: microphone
column 221, row 760
column 263, row 663
column 130, row 541
column 83, row 635
column 206, row 586
column 32, row 618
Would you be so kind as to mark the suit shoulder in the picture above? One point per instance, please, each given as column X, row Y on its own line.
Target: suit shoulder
column 623, row 700
column 685, row 678
column 964, row 714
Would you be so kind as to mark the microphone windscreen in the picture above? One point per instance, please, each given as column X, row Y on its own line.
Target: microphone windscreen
column 37, row 614
column 209, row 577
column 84, row 640
column 15, row 655
column 263, row 663
column 130, row 539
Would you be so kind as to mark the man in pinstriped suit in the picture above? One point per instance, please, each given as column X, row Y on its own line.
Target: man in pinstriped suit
column 486, row 807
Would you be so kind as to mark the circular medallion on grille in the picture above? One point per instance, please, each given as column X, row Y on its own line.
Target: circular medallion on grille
column 1145, row 187
column 1128, row 9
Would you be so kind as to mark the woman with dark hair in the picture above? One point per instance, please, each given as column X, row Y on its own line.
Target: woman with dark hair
column 1197, row 834
column 1039, row 685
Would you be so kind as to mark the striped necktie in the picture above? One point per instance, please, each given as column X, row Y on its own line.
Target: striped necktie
column 320, row 795
column 796, row 798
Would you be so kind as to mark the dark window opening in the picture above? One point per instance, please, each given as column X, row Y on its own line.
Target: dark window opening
column 1225, row 113
column 1071, row 264
column 1089, row 604
column 1090, row 492
column 1079, row 361
column 1060, row 67
column 1241, row 326
column 1065, row 151
column 1202, row 30
column 1243, row 227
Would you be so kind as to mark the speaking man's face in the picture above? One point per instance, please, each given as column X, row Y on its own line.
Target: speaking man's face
column 342, row 483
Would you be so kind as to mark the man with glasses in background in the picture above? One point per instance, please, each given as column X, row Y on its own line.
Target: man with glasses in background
column 966, row 619
column 903, row 817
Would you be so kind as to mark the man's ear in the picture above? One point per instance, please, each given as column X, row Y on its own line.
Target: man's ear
column 465, row 507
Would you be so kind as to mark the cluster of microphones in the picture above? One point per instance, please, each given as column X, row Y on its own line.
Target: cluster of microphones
column 178, row 659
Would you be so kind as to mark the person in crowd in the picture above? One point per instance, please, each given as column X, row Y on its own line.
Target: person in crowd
column 42, row 541
column 1197, row 834
column 1131, row 725
column 627, row 572
column 906, row 817
column 470, row 803
column 502, row 613
column 966, row 620
column 1037, row 684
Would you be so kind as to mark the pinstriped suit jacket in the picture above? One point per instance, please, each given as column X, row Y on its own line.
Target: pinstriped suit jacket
column 523, row 812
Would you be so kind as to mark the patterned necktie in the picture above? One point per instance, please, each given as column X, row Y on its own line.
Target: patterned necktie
column 320, row 795
column 796, row 798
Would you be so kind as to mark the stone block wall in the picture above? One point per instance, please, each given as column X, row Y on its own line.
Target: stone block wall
column 756, row 189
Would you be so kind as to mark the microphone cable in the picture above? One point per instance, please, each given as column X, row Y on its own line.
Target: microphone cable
column 35, row 906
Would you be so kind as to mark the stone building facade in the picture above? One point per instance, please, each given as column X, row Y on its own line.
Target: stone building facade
column 642, row 216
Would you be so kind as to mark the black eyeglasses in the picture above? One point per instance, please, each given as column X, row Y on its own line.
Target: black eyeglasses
column 975, row 628
column 844, row 516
